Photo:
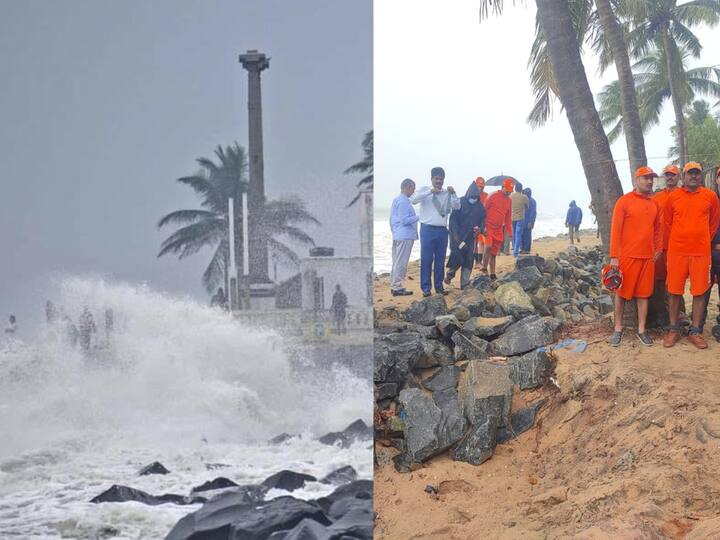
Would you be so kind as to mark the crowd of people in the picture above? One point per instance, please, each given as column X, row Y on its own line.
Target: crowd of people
column 475, row 226
column 659, row 241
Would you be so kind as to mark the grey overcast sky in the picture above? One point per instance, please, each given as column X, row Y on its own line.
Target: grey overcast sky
column 104, row 104
column 455, row 92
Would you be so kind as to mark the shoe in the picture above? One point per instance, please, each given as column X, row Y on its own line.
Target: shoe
column 493, row 277
column 401, row 292
column 448, row 279
column 442, row 291
column 645, row 339
column 615, row 338
column 426, row 294
column 696, row 339
column 671, row 338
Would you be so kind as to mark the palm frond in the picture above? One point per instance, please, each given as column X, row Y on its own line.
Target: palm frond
column 185, row 216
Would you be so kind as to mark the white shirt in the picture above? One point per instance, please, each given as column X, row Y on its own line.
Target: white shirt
column 429, row 214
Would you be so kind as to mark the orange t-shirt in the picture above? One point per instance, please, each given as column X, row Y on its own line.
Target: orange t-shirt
column 635, row 230
column 661, row 197
column 692, row 219
column 499, row 210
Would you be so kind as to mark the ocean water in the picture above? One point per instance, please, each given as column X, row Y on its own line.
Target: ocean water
column 175, row 382
column 382, row 237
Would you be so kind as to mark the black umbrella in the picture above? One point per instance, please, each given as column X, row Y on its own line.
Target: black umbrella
column 498, row 180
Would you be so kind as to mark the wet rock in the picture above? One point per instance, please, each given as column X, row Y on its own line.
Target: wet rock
column 283, row 437
column 307, row 529
column 218, row 483
column 485, row 390
column 469, row 347
column 395, row 355
column 525, row 261
column 445, row 377
column 478, row 444
column 357, row 431
column 487, row 327
column 425, row 311
column 526, row 335
column 531, row 369
column 223, row 517
column 452, row 421
column 359, row 489
column 435, row 353
column 343, row 475
column 118, row 493
column 153, row 468
column 385, row 391
column 288, row 480
column 529, row 277
column 447, row 324
column 520, row 422
column 514, row 300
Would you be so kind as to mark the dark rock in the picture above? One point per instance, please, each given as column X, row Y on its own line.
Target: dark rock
column 354, row 519
column 526, row 335
column 531, row 369
column 218, row 483
column 395, row 355
column 385, row 391
column 359, row 489
column 520, row 422
column 469, row 347
column 446, row 398
column 478, row 445
column 483, row 283
column 477, row 302
column 525, row 261
column 485, row 390
column 288, row 480
column 425, row 311
column 486, row 327
column 343, row 475
column 445, row 377
column 447, row 324
column 529, row 278
column 223, row 517
column 435, row 353
column 461, row 312
column 118, row 493
column 604, row 304
column 153, row 468
column 551, row 267
column 514, row 300
column 357, row 431
column 307, row 529
column 540, row 306
column 283, row 437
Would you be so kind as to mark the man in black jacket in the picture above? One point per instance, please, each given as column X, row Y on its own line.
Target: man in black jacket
column 465, row 223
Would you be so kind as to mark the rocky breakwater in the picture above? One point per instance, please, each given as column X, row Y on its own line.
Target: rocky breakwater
column 445, row 375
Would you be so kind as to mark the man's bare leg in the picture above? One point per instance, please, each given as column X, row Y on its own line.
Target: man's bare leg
column 619, row 310
column 674, row 308
column 642, row 311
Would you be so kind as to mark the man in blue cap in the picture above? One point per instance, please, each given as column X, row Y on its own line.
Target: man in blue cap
column 436, row 204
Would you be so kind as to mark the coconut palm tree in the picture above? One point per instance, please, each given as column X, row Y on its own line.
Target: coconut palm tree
column 666, row 24
column 364, row 166
column 215, row 183
column 562, row 48
column 655, row 86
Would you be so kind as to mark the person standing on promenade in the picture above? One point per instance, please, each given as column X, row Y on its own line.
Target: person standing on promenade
column 635, row 245
column 403, row 224
column 435, row 206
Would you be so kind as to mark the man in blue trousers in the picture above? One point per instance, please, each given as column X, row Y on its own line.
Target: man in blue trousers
column 436, row 204
column 528, row 223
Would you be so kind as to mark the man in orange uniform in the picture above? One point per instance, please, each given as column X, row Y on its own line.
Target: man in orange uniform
column 480, row 242
column 498, row 222
column 692, row 214
column 635, row 220
column 658, row 309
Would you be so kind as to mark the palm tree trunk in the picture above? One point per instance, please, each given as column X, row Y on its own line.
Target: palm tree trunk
column 677, row 106
column 577, row 99
column 628, row 97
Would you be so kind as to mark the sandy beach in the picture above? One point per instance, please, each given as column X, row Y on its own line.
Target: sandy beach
column 626, row 446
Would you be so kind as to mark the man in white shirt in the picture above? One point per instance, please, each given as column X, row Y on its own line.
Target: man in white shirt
column 435, row 206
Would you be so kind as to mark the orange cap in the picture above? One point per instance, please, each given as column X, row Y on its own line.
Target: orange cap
column 508, row 184
column 671, row 169
column 692, row 165
column 480, row 181
column 644, row 171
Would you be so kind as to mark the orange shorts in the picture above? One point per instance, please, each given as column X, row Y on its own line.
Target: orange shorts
column 680, row 267
column 638, row 278
column 493, row 244
column 661, row 267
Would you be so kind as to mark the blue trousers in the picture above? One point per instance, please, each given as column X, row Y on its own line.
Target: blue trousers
column 517, row 236
column 526, row 238
column 433, row 246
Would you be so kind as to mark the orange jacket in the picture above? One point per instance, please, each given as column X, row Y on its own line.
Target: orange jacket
column 692, row 219
column 635, row 230
column 499, row 212
column 661, row 197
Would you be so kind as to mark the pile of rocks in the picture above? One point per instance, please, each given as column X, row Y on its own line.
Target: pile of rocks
column 445, row 376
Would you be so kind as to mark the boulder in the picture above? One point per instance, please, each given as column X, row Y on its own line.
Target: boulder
column 343, row 475
column 445, row 377
column 520, row 422
column 288, row 480
column 359, row 489
column 357, row 431
column 117, row 493
column 283, row 437
column 551, row 267
column 487, row 327
column 153, row 468
column 218, row 483
column 529, row 277
column 435, row 353
column 477, row 302
column 483, row 283
column 478, row 444
column 526, row 335
column 485, row 389
column 540, row 306
column 461, row 312
column 447, row 325
column 514, row 300
column 426, row 310
column 530, row 370
column 604, row 304
column 452, row 422
column 395, row 355
column 223, row 517
column 385, row 391
column 469, row 347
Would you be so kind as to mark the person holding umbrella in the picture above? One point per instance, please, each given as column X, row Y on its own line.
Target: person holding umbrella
column 465, row 223
column 497, row 223
column 435, row 206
